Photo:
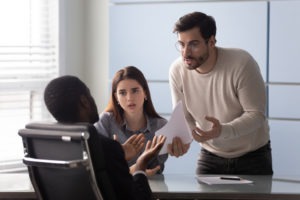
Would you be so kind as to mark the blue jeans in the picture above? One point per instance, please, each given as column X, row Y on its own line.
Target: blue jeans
column 258, row 162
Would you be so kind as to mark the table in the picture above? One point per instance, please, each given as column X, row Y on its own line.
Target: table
column 186, row 186
column 17, row 186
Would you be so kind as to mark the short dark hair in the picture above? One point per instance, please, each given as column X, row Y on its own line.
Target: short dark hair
column 205, row 23
column 62, row 98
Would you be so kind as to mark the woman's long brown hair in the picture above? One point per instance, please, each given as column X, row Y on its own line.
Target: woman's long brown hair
column 132, row 73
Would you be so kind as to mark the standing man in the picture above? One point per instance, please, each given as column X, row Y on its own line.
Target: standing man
column 224, row 100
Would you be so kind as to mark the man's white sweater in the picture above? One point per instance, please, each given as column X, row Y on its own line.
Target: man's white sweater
column 233, row 92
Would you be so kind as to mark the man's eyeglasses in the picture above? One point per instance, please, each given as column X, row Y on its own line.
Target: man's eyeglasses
column 193, row 45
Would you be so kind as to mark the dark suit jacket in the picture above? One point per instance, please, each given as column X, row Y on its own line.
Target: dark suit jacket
column 116, row 170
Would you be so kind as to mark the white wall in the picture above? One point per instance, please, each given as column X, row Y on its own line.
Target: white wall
column 84, row 44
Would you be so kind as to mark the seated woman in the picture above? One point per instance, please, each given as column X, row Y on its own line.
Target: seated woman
column 130, row 117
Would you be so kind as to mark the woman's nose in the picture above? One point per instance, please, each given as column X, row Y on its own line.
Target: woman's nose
column 129, row 96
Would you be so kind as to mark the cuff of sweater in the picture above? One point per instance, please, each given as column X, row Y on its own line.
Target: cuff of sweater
column 226, row 131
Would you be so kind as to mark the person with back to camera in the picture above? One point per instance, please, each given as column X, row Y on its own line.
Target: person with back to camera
column 69, row 101
column 224, row 100
column 130, row 112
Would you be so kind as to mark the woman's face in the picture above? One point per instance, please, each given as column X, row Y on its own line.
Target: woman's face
column 131, row 96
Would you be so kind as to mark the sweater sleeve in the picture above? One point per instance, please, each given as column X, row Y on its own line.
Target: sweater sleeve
column 252, row 96
column 175, row 81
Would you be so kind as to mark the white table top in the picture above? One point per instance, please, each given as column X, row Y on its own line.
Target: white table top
column 186, row 186
column 180, row 186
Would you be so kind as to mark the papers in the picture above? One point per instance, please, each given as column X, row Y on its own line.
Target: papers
column 213, row 180
column 176, row 127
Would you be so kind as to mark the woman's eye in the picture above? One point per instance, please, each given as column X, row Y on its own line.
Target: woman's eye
column 122, row 93
column 135, row 90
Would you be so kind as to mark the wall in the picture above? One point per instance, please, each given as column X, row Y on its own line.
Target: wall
column 84, row 44
column 284, row 85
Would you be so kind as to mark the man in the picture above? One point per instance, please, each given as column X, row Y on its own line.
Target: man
column 224, row 100
column 69, row 101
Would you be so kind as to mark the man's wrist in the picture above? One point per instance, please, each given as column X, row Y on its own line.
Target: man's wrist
column 139, row 172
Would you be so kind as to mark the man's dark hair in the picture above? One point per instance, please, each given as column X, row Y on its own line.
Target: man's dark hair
column 205, row 23
column 62, row 98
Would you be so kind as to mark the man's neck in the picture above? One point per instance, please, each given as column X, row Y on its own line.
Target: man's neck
column 209, row 65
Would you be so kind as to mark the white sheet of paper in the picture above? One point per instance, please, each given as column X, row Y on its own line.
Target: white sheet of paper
column 213, row 180
column 177, row 126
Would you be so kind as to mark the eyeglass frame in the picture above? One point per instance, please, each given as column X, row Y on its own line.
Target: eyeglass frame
column 192, row 45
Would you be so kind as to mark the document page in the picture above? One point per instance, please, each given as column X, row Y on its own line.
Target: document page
column 176, row 127
column 213, row 180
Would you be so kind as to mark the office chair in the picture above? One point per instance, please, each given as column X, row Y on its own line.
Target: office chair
column 59, row 162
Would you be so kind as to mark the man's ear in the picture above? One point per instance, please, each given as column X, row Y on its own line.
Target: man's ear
column 212, row 41
column 84, row 109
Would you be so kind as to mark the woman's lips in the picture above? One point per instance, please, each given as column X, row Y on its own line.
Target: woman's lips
column 131, row 106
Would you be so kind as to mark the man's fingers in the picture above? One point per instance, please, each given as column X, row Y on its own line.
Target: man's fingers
column 148, row 145
column 200, row 136
column 177, row 147
column 154, row 141
column 159, row 141
column 139, row 147
column 196, row 135
column 213, row 120
column 151, row 172
column 186, row 148
column 162, row 139
column 170, row 150
column 204, row 136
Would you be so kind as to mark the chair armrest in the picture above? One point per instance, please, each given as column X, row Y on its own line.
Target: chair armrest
column 55, row 163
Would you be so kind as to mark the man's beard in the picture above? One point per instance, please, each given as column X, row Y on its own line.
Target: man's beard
column 197, row 61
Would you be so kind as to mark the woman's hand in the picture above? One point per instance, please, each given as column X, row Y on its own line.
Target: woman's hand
column 133, row 145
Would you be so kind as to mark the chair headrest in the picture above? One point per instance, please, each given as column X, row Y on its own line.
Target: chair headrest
column 55, row 129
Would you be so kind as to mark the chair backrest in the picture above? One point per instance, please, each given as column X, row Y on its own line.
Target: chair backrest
column 59, row 162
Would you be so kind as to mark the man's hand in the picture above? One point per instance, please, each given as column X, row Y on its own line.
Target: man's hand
column 202, row 136
column 177, row 148
column 151, row 151
column 149, row 172
column 133, row 145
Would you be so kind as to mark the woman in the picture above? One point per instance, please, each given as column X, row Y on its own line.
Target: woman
column 130, row 117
